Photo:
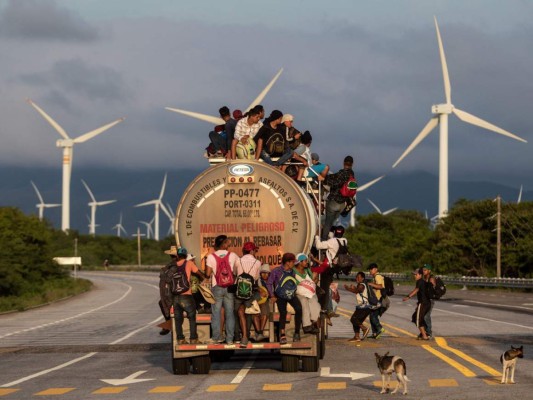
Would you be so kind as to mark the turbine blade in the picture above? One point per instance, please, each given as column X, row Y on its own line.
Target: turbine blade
column 201, row 117
column 471, row 119
column 519, row 195
column 105, row 202
column 445, row 75
column 374, row 205
column 147, row 203
column 167, row 213
column 367, row 185
column 390, row 211
column 421, row 136
column 54, row 124
column 51, row 205
column 89, row 190
column 37, row 191
column 91, row 134
column 163, row 188
column 262, row 95
column 123, row 230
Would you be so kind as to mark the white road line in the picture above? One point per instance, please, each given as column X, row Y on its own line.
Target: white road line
column 244, row 371
column 501, row 305
column 137, row 330
column 484, row 319
column 73, row 317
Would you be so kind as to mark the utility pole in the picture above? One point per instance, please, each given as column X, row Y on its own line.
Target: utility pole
column 498, row 238
column 138, row 234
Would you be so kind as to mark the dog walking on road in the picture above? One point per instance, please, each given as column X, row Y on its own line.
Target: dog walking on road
column 508, row 360
column 389, row 364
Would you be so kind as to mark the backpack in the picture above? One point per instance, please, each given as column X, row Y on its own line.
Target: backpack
column 343, row 260
column 372, row 298
column 438, row 291
column 178, row 279
column 349, row 188
column 287, row 285
column 389, row 287
column 275, row 145
column 245, row 285
column 224, row 274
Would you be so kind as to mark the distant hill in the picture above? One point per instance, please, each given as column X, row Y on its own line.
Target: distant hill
column 413, row 191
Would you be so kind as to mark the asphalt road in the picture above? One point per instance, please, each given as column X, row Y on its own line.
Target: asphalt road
column 104, row 344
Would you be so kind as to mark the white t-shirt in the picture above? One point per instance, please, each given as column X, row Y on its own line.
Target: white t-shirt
column 248, row 264
column 211, row 262
column 331, row 246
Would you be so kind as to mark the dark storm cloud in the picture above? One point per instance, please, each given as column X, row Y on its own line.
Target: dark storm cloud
column 76, row 77
column 43, row 20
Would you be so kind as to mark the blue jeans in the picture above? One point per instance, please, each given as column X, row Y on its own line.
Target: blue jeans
column 282, row 307
column 374, row 321
column 223, row 297
column 281, row 160
column 185, row 303
column 427, row 319
column 219, row 141
column 333, row 210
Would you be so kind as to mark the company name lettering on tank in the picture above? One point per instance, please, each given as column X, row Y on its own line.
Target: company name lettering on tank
column 197, row 198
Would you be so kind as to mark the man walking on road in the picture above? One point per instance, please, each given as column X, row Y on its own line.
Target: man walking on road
column 430, row 280
column 378, row 285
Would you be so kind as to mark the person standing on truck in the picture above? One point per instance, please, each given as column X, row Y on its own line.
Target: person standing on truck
column 264, row 303
column 336, row 202
column 217, row 264
column 306, row 293
column 279, row 277
column 165, row 298
column 182, row 295
column 249, row 265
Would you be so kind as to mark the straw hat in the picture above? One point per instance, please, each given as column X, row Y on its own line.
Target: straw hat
column 264, row 294
column 173, row 251
column 208, row 295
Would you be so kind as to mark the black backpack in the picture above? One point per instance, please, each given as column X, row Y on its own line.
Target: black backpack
column 343, row 260
column 275, row 145
column 178, row 279
column 389, row 286
column 245, row 285
column 372, row 298
column 439, row 290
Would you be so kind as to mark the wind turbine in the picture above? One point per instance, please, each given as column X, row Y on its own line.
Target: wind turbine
column 67, row 144
column 220, row 121
column 157, row 204
column 119, row 227
column 149, row 231
column 440, row 118
column 360, row 189
column 170, row 214
column 93, row 204
column 42, row 205
column 520, row 195
column 379, row 211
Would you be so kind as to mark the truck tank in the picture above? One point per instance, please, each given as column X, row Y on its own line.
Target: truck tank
column 246, row 201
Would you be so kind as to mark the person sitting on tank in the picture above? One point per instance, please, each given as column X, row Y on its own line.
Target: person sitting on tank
column 316, row 168
column 271, row 142
column 229, row 128
column 304, row 150
column 243, row 145
column 217, row 147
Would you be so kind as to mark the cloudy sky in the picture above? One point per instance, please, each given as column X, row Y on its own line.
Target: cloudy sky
column 361, row 76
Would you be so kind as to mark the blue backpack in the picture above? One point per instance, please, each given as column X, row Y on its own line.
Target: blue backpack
column 286, row 288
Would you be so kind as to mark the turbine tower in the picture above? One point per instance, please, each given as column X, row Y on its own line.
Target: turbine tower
column 441, row 112
column 157, row 204
column 520, row 195
column 67, row 144
column 93, row 204
column 42, row 205
column 220, row 121
column 119, row 227
column 379, row 211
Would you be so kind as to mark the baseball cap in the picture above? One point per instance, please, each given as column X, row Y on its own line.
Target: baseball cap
column 428, row 267
column 182, row 251
column 265, row 268
column 300, row 257
column 287, row 117
column 288, row 257
column 249, row 246
column 315, row 157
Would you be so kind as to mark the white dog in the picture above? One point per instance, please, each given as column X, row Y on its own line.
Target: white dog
column 508, row 360
column 389, row 364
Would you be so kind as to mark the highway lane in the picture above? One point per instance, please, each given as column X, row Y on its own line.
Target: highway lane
column 109, row 333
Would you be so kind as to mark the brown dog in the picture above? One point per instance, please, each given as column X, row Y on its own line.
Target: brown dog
column 508, row 360
column 389, row 364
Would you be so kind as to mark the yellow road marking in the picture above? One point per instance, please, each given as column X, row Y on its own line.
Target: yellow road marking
column 331, row 385
column 54, row 391
column 399, row 330
column 492, row 381
column 442, row 343
column 393, row 384
column 222, row 388
column 4, row 392
column 110, row 390
column 459, row 367
column 277, row 387
column 166, row 389
column 443, row 382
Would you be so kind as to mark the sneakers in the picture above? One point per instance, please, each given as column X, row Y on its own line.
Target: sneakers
column 164, row 331
column 296, row 337
column 182, row 341
column 377, row 335
column 244, row 342
column 194, row 341
column 354, row 339
column 365, row 332
column 214, row 341
column 311, row 329
column 260, row 337
column 230, row 343
column 283, row 339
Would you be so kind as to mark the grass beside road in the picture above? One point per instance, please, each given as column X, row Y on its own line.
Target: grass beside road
column 48, row 292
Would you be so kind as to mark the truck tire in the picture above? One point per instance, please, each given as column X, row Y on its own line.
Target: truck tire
column 322, row 339
column 180, row 366
column 201, row 364
column 289, row 363
column 310, row 364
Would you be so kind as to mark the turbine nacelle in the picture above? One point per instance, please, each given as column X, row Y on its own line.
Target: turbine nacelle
column 442, row 109
column 64, row 143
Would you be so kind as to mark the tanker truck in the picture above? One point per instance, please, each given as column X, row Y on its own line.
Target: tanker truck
column 247, row 201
